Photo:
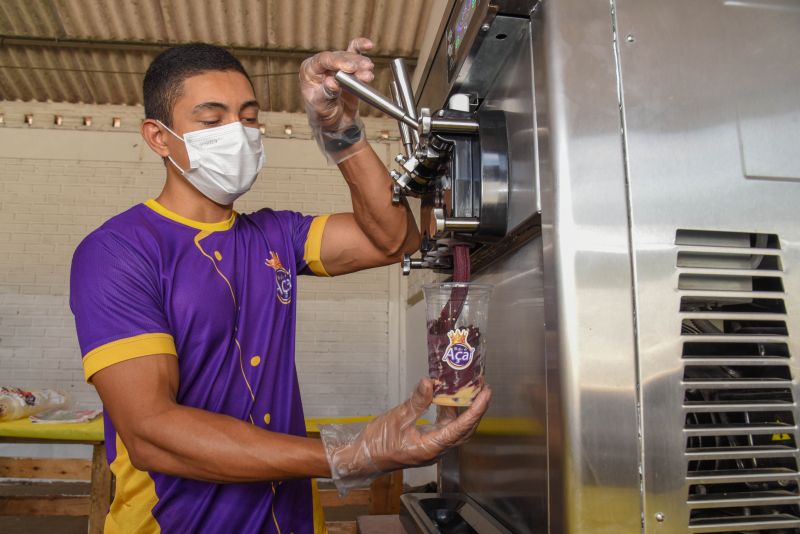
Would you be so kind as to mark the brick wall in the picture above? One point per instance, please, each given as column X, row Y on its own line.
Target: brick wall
column 58, row 182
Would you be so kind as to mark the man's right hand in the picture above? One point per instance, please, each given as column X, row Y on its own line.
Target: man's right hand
column 393, row 440
column 327, row 106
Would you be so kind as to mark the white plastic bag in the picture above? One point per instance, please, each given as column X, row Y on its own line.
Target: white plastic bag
column 16, row 403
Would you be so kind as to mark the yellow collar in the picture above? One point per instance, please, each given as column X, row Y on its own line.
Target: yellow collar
column 208, row 227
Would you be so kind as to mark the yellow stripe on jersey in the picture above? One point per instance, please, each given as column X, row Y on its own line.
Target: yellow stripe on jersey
column 206, row 227
column 126, row 349
column 134, row 498
column 313, row 249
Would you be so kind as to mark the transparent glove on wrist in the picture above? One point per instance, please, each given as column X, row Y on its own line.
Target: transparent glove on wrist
column 333, row 113
column 359, row 453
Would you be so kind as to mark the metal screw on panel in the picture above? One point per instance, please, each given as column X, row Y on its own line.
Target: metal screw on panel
column 485, row 27
column 630, row 38
column 660, row 517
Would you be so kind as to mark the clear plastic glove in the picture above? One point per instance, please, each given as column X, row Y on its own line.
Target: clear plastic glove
column 333, row 113
column 358, row 454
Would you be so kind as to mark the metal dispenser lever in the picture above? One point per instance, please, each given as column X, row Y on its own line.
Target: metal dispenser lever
column 426, row 124
column 375, row 99
column 405, row 93
column 405, row 131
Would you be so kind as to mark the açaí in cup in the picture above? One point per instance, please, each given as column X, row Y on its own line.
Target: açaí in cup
column 456, row 325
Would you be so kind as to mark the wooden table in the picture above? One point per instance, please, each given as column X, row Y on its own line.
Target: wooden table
column 95, row 471
column 382, row 497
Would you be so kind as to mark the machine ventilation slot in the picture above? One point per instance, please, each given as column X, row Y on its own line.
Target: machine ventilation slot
column 700, row 349
column 741, row 415
column 730, row 260
column 721, row 304
column 731, row 324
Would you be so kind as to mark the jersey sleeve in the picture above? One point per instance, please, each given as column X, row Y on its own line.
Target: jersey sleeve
column 118, row 308
column 307, row 242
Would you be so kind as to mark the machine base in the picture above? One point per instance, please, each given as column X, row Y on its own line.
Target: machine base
column 456, row 513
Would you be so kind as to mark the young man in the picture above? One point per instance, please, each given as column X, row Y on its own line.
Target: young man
column 185, row 311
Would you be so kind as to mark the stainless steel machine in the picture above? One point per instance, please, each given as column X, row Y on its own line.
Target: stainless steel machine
column 628, row 175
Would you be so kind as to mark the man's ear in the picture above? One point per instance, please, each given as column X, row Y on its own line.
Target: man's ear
column 154, row 137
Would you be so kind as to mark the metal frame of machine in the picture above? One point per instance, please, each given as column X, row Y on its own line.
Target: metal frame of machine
column 627, row 172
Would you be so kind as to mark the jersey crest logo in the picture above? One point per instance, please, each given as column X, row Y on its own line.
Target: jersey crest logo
column 283, row 278
column 459, row 353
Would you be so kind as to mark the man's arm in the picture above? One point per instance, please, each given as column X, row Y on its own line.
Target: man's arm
column 377, row 232
column 163, row 436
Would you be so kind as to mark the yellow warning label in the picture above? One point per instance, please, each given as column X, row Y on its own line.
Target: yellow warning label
column 781, row 437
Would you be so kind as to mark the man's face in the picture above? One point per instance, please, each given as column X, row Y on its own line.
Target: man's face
column 210, row 99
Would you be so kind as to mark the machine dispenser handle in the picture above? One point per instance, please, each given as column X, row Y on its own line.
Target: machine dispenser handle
column 405, row 131
column 405, row 92
column 410, row 263
column 426, row 124
column 375, row 99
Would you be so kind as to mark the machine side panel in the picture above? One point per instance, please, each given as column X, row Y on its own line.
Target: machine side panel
column 504, row 467
column 593, row 429
column 711, row 98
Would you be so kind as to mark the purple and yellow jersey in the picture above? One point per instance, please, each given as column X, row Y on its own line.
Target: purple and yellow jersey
column 221, row 298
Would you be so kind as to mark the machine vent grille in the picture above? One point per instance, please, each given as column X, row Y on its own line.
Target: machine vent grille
column 738, row 396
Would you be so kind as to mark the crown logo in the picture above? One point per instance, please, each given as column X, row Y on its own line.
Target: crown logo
column 274, row 261
column 458, row 336
column 283, row 278
column 459, row 353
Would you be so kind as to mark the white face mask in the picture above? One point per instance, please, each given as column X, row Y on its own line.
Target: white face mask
column 224, row 161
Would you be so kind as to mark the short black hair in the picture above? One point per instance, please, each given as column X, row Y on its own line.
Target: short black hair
column 163, row 81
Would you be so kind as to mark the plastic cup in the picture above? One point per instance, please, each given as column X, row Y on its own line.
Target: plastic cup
column 456, row 325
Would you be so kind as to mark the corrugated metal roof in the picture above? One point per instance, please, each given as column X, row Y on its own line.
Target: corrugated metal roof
column 96, row 51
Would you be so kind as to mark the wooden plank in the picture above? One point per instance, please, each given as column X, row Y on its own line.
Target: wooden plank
column 61, row 469
column 43, row 488
column 100, row 499
column 77, row 505
column 342, row 527
column 329, row 498
column 380, row 524
column 385, row 492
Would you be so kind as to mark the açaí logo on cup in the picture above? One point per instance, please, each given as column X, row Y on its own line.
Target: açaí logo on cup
column 283, row 279
column 459, row 353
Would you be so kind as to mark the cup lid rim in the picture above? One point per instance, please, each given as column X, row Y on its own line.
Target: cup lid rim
column 471, row 285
